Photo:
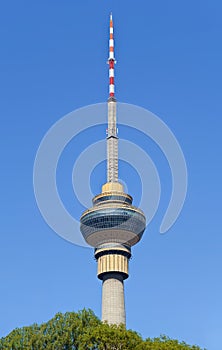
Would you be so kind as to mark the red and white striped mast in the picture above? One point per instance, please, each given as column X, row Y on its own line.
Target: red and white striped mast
column 112, row 139
column 111, row 59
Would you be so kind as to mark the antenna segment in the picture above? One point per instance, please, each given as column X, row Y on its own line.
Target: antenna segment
column 112, row 139
column 111, row 59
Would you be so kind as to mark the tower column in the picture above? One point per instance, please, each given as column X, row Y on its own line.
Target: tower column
column 112, row 225
column 113, row 306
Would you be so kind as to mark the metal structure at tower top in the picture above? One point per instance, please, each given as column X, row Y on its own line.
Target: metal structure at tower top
column 112, row 139
column 111, row 58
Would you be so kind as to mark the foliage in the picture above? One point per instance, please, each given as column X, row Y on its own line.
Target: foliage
column 165, row 343
column 84, row 331
column 110, row 337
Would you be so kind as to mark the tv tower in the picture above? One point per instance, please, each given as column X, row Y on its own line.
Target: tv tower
column 113, row 225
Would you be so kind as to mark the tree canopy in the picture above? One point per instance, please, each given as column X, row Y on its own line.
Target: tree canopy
column 84, row 331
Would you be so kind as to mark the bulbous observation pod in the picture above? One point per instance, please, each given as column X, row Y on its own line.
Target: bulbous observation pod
column 112, row 219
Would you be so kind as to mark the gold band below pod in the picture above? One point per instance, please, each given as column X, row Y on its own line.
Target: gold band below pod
column 112, row 263
column 113, row 259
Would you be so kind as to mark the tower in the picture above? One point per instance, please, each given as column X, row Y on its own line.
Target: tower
column 113, row 225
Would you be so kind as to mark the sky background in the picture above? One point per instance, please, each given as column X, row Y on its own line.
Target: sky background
column 53, row 61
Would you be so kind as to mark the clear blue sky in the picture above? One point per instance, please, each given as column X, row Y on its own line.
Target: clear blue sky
column 53, row 60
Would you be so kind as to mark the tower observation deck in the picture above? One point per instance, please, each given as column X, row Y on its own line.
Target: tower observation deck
column 113, row 225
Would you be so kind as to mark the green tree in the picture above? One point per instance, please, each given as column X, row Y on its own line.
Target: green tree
column 165, row 343
column 109, row 337
column 84, row 331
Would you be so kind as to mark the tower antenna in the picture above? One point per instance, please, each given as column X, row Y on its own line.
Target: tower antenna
column 111, row 58
column 112, row 139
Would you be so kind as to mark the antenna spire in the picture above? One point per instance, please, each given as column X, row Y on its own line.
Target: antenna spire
column 112, row 139
column 111, row 59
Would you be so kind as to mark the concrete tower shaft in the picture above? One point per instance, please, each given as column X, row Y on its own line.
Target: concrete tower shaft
column 113, row 304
